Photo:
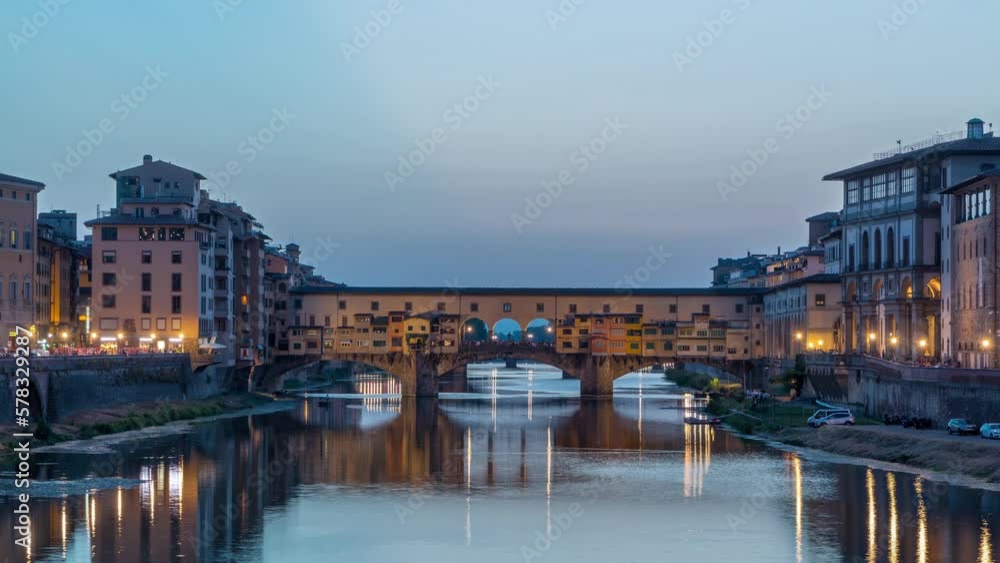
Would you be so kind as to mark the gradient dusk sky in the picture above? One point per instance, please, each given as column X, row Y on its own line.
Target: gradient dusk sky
column 891, row 70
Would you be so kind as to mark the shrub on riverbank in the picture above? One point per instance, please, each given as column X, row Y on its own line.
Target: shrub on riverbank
column 701, row 382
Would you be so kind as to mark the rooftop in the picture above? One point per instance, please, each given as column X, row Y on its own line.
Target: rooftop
column 973, row 141
column 150, row 166
column 529, row 291
column 971, row 181
column 8, row 179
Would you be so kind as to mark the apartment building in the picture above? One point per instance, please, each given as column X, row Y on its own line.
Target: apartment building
column 18, row 253
column 153, row 276
column 973, row 241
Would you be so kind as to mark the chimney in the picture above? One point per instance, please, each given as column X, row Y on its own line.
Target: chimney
column 147, row 159
column 974, row 128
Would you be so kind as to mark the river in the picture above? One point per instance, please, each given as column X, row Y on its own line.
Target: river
column 507, row 465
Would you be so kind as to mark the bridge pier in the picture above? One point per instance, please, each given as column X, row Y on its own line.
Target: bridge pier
column 597, row 379
column 511, row 363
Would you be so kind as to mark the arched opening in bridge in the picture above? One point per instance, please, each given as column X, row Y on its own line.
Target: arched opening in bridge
column 507, row 330
column 475, row 330
column 540, row 331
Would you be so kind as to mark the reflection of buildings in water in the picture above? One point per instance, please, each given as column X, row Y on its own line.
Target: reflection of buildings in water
column 698, row 440
column 922, row 550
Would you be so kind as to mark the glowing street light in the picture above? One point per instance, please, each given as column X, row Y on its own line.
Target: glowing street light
column 798, row 336
column 65, row 335
column 986, row 343
column 872, row 336
column 820, row 343
column 922, row 343
column 121, row 336
column 893, row 340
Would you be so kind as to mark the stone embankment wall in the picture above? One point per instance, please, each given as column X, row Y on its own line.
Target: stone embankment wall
column 61, row 386
column 883, row 387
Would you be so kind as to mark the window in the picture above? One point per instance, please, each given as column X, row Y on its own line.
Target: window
column 673, row 308
column 474, row 307
column 326, row 321
column 706, row 308
column 852, row 191
column 342, row 305
column 147, row 324
column 176, row 257
column 109, row 257
column 147, row 281
column 175, row 324
column 13, row 238
column 572, row 308
column 606, row 308
column 374, row 305
column 175, row 304
column 739, row 308
column 147, row 233
column 507, row 308
column 147, row 304
column 176, row 234
column 821, row 300
column 107, row 301
column 639, row 309
column 109, row 278
column 539, row 307
column 175, row 282
column 441, row 306
column 408, row 306
column 27, row 240
column 109, row 233
column 909, row 183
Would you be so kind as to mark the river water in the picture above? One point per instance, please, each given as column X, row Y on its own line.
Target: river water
column 507, row 465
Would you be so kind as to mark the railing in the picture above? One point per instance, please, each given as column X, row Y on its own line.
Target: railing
column 936, row 139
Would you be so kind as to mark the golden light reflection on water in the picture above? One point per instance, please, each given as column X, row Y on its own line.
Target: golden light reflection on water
column 797, row 466
column 872, row 517
column 890, row 483
column 697, row 457
column 985, row 543
column 922, row 547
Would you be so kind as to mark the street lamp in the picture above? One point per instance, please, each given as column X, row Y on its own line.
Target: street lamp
column 798, row 336
column 986, row 343
column 893, row 340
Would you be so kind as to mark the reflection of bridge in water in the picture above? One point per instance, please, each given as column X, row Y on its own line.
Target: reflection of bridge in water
column 419, row 373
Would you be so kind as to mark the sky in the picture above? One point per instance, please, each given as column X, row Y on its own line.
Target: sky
column 541, row 143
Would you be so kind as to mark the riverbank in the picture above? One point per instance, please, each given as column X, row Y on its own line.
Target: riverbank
column 934, row 450
column 92, row 423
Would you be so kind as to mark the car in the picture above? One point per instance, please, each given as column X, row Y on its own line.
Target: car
column 823, row 413
column 832, row 419
column 990, row 430
column 961, row 426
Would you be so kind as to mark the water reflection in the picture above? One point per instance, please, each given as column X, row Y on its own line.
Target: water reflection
column 477, row 474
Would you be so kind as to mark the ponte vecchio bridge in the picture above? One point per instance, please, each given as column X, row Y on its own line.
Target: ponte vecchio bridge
column 595, row 335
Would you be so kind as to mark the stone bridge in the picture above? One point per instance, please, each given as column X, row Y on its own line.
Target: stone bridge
column 419, row 372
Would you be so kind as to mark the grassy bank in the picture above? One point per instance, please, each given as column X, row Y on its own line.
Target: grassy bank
column 766, row 416
column 969, row 456
column 112, row 420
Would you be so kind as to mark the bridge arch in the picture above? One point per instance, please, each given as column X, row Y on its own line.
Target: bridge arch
column 540, row 331
column 475, row 330
column 507, row 330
